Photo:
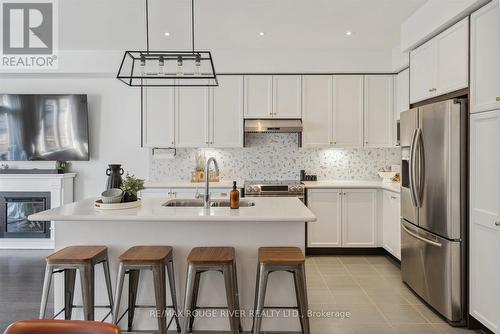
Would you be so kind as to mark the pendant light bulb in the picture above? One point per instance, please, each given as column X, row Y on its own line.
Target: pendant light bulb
column 197, row 63
column 179, row 65
column 142, row 64
column 161, row 64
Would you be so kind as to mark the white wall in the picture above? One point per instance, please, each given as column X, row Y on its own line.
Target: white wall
column 300, row 60
column 434, row 17
column 114, row 125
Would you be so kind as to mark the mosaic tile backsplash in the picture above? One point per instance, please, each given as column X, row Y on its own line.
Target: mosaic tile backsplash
column 277, row 157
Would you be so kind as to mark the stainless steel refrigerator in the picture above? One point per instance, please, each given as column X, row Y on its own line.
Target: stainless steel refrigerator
column 434, row 205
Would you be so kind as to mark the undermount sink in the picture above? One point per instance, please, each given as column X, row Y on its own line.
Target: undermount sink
column 198, row 203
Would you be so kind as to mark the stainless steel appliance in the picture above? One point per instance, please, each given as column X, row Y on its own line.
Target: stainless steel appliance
column 286, row 188
column 274, row 126
column 433, row 205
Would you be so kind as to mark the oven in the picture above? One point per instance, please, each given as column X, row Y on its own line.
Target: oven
column 274, row 189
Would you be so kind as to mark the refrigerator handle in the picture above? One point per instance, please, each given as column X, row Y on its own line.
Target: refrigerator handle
column 419, row 148
column 416, row 236
column 411, row 172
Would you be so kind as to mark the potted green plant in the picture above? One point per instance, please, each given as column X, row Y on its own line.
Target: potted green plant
column 131, row 186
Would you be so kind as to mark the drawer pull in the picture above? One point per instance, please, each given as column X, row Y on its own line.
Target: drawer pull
column 394, row 197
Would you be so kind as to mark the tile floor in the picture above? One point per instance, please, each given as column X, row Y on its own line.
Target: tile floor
column 363, row 295
column 366, row 295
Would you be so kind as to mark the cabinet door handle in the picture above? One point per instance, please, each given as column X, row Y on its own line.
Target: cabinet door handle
column 498, row 98
column 394, row 197
column 497, row 223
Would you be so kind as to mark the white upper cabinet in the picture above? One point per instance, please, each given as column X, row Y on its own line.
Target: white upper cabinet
column 452, row 49
column 485, row 218
column 158, row 117
column 402, row 92
column 423, row 72
column 226, row 116
column 192, row 117
column 258, row 97
column 347, row 111
column 359, row 218
column 287, row 96
column 440, row 66
column 326, row 205
column 485, row 58
column 317, row 110
column 379, row 111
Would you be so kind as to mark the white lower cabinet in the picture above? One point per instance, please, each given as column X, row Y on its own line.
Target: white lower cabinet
column 359, row 218
column 391, row 228
column 327, row 206
column 346, row 218
column 485, row 218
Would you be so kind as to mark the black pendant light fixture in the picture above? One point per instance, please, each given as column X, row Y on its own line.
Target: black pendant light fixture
column 194, row 68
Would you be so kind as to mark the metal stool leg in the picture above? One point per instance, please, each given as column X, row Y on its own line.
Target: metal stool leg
column 46, row 289
column 159, row 283
column 261, row 296
column 87, row 283
column 230, row 294
column 173, row 294
column 188, row 296
column 237, row 297
column 118, row 293
column 257, row 280
column 196, row 290
column 107, row 278
column 69, row 292
column 300, row 282
column 133, row 283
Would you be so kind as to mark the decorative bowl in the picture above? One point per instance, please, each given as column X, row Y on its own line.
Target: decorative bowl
column 113, row 195
column 387, row 176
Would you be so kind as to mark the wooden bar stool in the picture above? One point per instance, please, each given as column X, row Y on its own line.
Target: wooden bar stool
column 61, row 327
column 69, row 260
column 292, row 260
column 203, row 259
column 154, row 258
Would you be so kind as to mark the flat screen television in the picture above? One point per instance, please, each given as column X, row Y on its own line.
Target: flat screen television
column 43, row 127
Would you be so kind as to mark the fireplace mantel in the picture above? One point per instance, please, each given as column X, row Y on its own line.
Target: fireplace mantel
column 60, row 187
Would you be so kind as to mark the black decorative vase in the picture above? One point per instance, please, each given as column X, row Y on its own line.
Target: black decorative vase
column 114, row 173
column 129, row 198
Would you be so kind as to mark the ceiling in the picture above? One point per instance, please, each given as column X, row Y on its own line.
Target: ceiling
column 235, row 24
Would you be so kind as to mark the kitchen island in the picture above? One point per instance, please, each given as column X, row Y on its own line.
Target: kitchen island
column 270, row 222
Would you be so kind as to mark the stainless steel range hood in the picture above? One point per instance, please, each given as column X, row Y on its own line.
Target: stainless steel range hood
column 273, row 126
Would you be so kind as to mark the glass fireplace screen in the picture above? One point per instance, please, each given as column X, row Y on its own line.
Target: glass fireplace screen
column 17, row 208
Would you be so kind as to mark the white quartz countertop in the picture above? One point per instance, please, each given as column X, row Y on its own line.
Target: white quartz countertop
column 266, row 209
column 186, row 184
column 353, row 184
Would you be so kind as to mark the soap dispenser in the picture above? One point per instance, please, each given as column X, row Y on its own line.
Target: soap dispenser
column 235, row 197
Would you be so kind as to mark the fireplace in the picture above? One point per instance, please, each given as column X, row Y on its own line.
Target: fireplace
column 15, row 209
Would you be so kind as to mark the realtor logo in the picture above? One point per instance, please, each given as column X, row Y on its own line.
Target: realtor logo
column 29, row 34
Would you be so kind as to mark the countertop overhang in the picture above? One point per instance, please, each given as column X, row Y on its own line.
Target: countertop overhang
column 266, row 209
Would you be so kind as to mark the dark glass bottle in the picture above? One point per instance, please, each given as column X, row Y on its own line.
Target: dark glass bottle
column 234, row 196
